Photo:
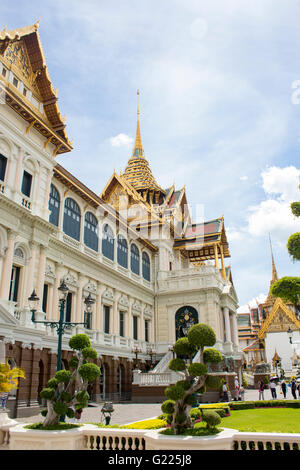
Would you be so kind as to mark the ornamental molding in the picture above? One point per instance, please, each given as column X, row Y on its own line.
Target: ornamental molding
column 49, row 272
column 26, row 346
column 123, row 301
column 137, row 306
column 90, row 287
column 108, row 294
column 279, row 320
column 70, row 279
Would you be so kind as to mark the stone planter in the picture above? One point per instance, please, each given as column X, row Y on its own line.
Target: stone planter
column 29, row 439
column 5, row 425
column 222, row 441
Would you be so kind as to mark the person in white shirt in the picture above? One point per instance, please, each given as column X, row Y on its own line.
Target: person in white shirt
column 273, row 389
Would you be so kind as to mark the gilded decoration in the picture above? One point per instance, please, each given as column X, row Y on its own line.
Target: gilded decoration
column 16, row 55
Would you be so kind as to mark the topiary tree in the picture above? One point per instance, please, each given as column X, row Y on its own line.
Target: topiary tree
column 288, row 288
column 195, row 377
column 68, row 388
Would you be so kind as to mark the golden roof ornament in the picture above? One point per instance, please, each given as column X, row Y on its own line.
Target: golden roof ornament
column 137, row 172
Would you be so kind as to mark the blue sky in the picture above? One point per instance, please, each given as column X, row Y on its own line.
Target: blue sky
column 219, row 107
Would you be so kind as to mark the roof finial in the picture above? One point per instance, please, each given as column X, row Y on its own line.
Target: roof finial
column 138, row 150
column 274, row 272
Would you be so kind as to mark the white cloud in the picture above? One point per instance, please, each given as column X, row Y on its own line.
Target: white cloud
column 243, row 178
column 121, row 140
column 274, row 213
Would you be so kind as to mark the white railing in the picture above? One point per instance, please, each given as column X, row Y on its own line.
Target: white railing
column 152, row 379
column 163, row 364
column 114, row 439
column 266, row 441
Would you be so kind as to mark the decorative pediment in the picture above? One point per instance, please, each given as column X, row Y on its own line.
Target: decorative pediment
column 137, row 306
column 49, row 272
column 280, row 319
column 123, row 301
column 90, row 287
column 70, row 280
column 108, row 294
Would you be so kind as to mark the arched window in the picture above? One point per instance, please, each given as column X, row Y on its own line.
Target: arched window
column 146, row 266
column 72, row 219
column 91, row 231
column 54, row 204
column 122, row 251
column 108, row 242
column 135, row 259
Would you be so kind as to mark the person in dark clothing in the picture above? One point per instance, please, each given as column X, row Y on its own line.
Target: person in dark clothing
column 294, row 388
column 283, row 388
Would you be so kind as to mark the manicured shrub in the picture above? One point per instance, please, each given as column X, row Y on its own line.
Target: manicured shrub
column 90, row 353
column 47, row 393
column 44, row 412
column 201, row 335
column 63, row 376
column 191, row 400
column 168, row 406
column 70, row 413
column 174, row 393
column 184, row 347
column 185, row 384
column 195, row 413
column 89, row 371
column 79, row 342
column 66, row 396
column 197, row 369
column 82, row 396
column 212, row 355
column 52, row 383
column 73, row 362
column 211, row 418
column 60, row 408
column 177, row 364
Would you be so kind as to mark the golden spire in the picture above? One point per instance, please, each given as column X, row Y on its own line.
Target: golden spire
column 274, row 272
column 270, row 300
column 137, row 172
column 138, row 150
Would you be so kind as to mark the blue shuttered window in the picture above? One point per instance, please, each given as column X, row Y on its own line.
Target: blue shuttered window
column 135, row 259
column 146, row 266
column 122, row 251
column 91, row 231
column 72, row 219
column 54, row 204
column 108, row 242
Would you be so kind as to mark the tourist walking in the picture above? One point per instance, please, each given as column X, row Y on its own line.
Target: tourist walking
column 273, row 389
column 294, row 388
column 261, row 391
column 236, row 389
column 225, row 392
column 283, row 388
column 242, row 393
column 298, row 388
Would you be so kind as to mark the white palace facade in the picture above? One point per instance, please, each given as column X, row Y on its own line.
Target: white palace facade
column 146, row 288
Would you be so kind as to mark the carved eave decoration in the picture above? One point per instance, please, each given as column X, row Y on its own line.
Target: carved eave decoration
column 199, row 241
column 21, row 52
column 280, row 319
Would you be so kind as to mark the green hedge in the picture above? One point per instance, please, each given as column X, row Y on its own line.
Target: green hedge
column 245, row 405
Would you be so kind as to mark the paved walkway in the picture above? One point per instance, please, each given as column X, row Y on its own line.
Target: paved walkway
column 130, row 412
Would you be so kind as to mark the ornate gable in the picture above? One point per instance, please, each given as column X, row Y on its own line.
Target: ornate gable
column 280, row 319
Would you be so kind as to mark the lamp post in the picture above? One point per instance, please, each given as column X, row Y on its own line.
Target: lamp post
column 60, row 325
column 136, row 350
column 88, row 301
column 151, row 352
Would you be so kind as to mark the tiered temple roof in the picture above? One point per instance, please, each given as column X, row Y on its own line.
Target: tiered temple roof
column 21, row 53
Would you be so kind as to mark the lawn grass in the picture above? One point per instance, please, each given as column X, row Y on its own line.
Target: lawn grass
column 281, row 420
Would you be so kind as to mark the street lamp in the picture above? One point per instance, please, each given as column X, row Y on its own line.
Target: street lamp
column 89, row 302
column 60, row 325
column 151, row 352
column 136, row 350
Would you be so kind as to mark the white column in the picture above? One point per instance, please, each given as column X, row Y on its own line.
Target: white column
column 7, row 266
column 235, row 329
column 30, row 272
column 227, row 324
column 41, row 273
column 53, row 314
column 79, row 299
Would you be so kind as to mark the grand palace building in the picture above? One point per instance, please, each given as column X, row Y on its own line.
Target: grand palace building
column 133, row 249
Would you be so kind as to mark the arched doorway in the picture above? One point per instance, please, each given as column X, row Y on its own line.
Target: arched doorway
column 185, row 318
